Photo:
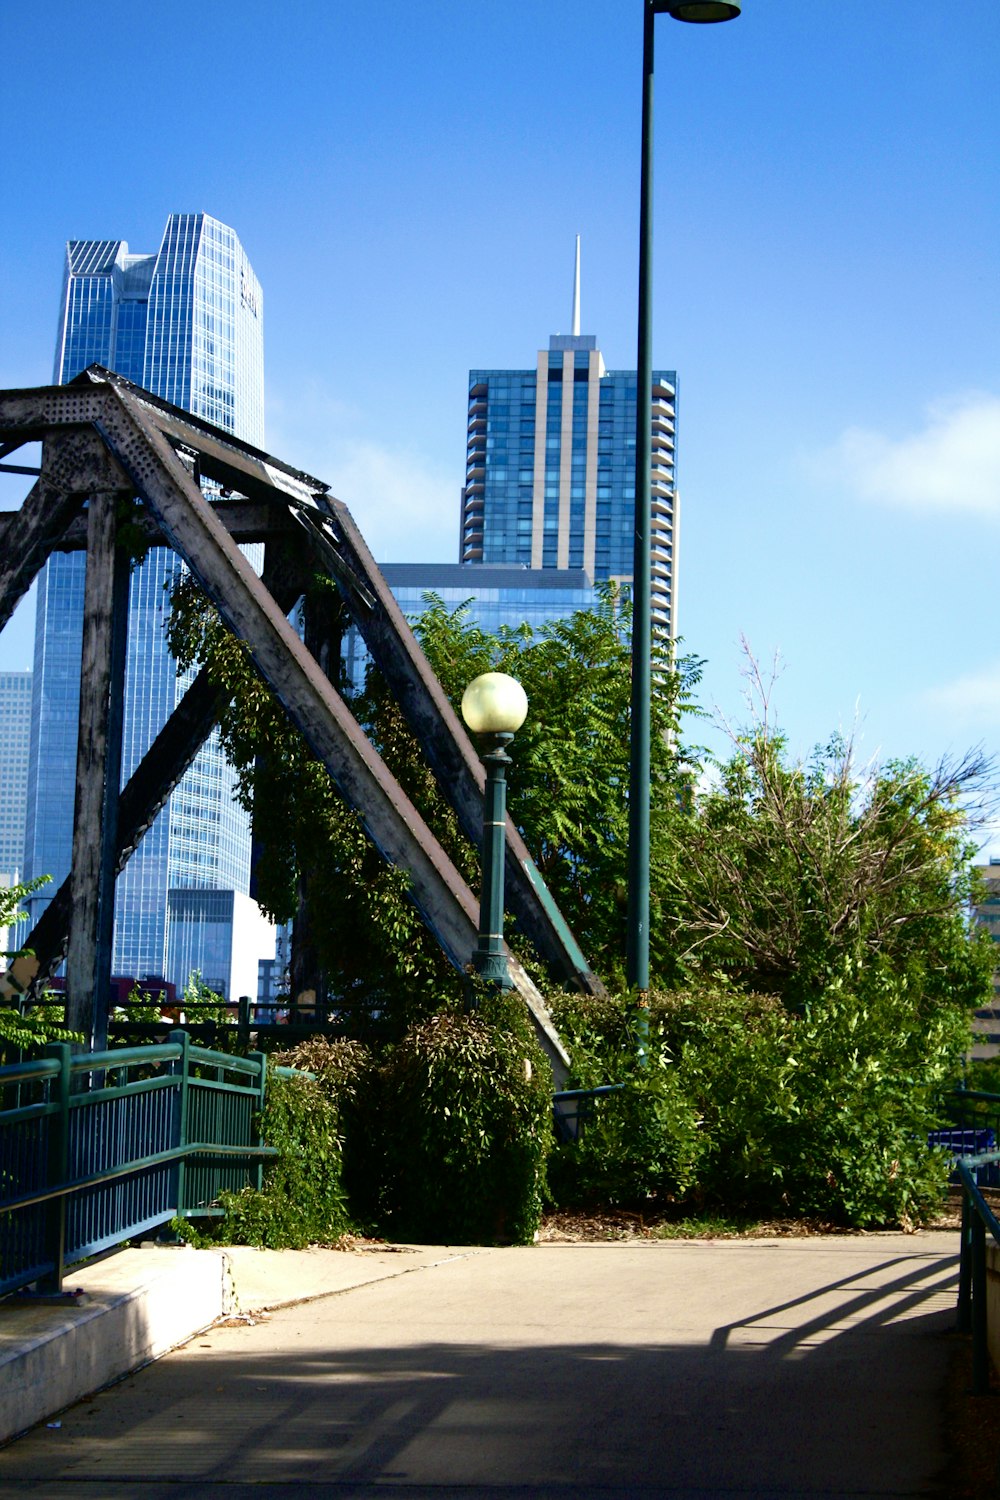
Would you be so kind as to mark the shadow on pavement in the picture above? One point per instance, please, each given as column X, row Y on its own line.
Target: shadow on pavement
column 834, row 1392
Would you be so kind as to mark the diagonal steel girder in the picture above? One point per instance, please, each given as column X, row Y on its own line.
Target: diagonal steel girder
column 106, row 403
column 142, row 798
column 391, row 821
column 53, row 502
column 340, row 549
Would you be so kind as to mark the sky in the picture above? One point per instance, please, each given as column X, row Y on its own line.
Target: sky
column 408, row 181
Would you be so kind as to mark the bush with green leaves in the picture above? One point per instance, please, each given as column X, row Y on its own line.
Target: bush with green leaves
column 465, row 1105
column 26, row 1035
column 347, row 1072
column 823, row 1113
column 303, row 1201
column 639, row 1144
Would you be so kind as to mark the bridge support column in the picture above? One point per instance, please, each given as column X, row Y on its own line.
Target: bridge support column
column 98, row 775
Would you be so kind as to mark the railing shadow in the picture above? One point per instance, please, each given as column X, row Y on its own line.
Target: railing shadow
column 838, row 1393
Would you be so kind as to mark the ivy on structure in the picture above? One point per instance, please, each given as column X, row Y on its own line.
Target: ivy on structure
column 370, row 938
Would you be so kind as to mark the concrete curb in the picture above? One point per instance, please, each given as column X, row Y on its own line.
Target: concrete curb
column 136, row 1305
column 139, row 1304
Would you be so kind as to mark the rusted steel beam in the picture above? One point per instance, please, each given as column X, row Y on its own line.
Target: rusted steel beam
column 226, row 459
column 160, row 477
column 144, row 796
column 30, row 415
column 49, row 507
column 344, row 554
column 245, row 520
column 391, row 820
column 98, row 775
column 455, row 763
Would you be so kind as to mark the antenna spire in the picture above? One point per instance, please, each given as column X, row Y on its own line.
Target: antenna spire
column 576, row 292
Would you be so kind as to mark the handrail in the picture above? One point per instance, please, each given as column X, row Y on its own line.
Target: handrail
column 973, row 1303
column 594, row 1093
column 569, row 1122
column 977, row 1218
column 86, row 1168
column 141, row 1164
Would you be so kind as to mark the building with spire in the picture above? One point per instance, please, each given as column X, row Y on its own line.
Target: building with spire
column 186, row 323
column 550, row 467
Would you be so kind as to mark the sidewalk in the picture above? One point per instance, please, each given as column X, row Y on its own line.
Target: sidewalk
column 682, row 1369
column 136, row 1305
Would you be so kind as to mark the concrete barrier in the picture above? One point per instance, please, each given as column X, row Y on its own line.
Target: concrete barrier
column 993, row 1300
column 135, row 1306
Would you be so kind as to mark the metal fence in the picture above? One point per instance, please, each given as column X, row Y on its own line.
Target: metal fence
column 972, row 1141
column 98, row 1147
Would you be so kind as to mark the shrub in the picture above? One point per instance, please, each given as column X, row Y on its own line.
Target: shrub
column 640, row 1143
column 346, row 1073
column 302, row 1201
column 25, row 1035
column 823, row 1113
column 465, row 1105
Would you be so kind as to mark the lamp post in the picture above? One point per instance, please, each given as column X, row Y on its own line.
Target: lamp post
column 637, row 954
column 494, row 706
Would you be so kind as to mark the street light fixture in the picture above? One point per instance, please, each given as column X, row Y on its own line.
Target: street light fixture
column 698, row 10
column 494, row 706
column 637, row 956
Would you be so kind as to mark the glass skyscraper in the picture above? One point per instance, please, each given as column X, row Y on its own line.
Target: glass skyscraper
column 550, row 468
column 185, row 323
column 15, row 741
column 495, row 596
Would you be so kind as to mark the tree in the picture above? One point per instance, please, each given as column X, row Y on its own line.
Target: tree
column 24, row 1034
column 568, row 784
column 795, row 874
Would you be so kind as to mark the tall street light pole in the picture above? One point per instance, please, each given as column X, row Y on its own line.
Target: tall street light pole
column 637, row 953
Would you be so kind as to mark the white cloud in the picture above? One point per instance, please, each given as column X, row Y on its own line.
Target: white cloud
column 405, row 503
column 952, row 463
column 973, row 699
column 407, row 511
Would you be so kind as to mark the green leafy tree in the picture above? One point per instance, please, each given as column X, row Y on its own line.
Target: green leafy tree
column 25, row 1033
column 795, row 874
column 568, row 784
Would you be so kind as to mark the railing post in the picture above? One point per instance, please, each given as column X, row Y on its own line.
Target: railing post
column 58, row 1164
column 183, row 1073
column 980, row 1344
column 963, row 1323
column 261, row 1059
column 243, row 1020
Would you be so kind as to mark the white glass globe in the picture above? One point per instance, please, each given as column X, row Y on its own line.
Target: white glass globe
column 494, row 704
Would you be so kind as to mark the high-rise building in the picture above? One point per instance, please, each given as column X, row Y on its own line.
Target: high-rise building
column 550, row 467
column 495, row 596
column 15, row 739
column 185, row 323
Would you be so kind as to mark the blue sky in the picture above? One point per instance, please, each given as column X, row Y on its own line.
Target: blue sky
column 408, row 181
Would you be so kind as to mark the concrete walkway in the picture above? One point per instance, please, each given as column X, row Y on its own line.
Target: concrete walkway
column 681, row 1369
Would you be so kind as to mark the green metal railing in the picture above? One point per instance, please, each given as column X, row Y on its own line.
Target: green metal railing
column 218, row 1025
column 977, row 1164
column 98, row 1147
column 973, row 1301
